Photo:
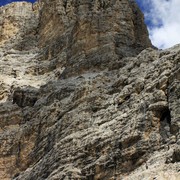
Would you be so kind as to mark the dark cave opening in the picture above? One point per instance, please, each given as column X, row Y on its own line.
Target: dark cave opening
column 165, row 124
column 166, row 116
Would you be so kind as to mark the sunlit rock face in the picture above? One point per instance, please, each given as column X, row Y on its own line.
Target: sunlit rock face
column 89, row 35
column 84, row 95
column 19, row 23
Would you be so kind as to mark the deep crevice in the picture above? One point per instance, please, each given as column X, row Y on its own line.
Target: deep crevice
column 166, row 116
column 165, row 124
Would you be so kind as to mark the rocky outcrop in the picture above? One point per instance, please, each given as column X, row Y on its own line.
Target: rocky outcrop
column 19, row 22
column 89, row 35
column 86, row 96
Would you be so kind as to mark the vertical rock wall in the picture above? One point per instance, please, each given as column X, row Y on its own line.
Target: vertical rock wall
column 91, row 34
column 83, row 95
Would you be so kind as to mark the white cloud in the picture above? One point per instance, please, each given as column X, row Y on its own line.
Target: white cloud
column 165, row 18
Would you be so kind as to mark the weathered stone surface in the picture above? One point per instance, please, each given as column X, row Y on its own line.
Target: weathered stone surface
column 18, row 25
column 87, row 96
column 89, row 35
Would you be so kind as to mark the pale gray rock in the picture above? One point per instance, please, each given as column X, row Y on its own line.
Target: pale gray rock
column 86, row 96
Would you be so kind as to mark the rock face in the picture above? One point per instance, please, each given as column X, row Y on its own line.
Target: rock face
column 84, row 95
column 18, row 26
column 89, row 35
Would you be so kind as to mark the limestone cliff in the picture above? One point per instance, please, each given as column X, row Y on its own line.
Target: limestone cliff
column 88, row 35
column 84, row 94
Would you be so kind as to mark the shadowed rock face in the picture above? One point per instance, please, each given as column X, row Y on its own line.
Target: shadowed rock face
column 83, row 95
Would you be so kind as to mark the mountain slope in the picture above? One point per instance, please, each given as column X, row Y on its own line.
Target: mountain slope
column 84, row 94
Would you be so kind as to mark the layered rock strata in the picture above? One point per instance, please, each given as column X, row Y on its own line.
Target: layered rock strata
column 84, row 95
column 89, row 35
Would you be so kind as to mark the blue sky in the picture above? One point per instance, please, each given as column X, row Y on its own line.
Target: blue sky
column 163, row 20
column 161, row 16
column 4, row 2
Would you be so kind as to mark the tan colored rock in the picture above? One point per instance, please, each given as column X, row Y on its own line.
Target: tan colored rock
column 18, row 20
column 91, row 34
column 79, row 99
